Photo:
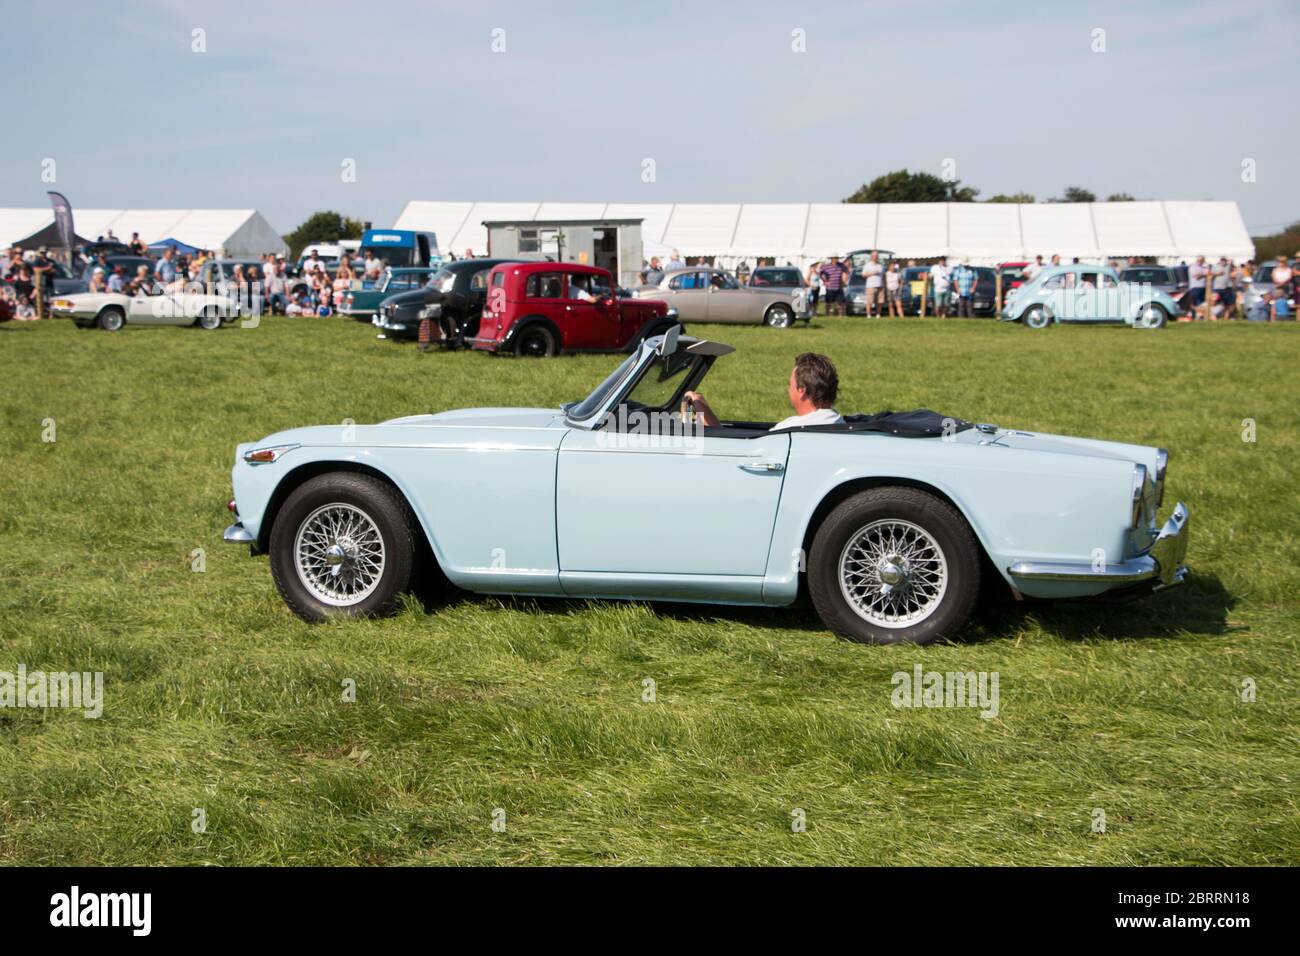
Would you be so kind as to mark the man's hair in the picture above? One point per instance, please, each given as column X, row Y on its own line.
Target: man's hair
column 816, row 375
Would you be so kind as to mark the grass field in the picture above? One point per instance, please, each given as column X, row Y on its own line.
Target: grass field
column 216, row 697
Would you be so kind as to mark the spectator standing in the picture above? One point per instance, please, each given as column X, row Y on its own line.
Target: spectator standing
column 374, row 267
column 833, row 275
column 1282, row 276
column 963, row 280
column 814, row 287
column 117, row 281
column 1032, row 269
column 276, row 288
column 894, row 290
column 97, row 281
column 1196, row 280
column 1221, row 285
column 939, row 282
column 165, row 270
column 654, row 273
column 675, row 261
column 873, row 273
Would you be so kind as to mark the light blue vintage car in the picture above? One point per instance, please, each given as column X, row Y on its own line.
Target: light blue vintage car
column 1085, row 293
column 888, row 521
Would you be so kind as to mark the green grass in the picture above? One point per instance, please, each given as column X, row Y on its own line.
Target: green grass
column 217, row 697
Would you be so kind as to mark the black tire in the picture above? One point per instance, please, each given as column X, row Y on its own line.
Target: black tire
column 209, row 320
column 958, row 555
column 111, row 319
column 1036, row 317
column 778, row 316
column 388, row 513
column 535, row 341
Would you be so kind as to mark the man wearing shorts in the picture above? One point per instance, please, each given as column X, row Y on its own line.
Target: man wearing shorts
column 833, row 276
column 874, row 273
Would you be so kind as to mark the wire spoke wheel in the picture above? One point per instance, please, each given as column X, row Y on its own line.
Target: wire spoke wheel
column 339, row 554
column 892, row 573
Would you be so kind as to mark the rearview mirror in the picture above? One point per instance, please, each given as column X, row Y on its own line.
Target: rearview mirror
column 669, row 343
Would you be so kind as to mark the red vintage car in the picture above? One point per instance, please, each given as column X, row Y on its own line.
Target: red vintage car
column 541, row 308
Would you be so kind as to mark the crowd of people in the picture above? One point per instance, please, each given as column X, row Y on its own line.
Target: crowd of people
column 1214, row 290
column 1208, row 290
column 314, row 287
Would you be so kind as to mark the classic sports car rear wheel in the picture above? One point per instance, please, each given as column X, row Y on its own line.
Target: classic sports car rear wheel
column 892, row 566
column 779, row 317
column 111, row 319
column 1037, row 317
column 536, row 341
column 210, row 319
column 342, row 544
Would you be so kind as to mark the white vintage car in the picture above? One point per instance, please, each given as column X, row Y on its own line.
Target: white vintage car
column 112, row 310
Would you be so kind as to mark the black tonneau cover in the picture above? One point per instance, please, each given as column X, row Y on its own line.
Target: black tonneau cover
column 918, row 423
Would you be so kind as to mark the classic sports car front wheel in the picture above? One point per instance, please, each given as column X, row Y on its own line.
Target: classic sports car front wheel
column 892, row 566
column 210, row 319
column 342, row 545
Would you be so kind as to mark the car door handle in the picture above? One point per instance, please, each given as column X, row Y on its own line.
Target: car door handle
column 762, row 467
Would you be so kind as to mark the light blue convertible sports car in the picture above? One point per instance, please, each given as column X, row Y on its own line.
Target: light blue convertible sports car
column 1088, row 293
column 889, row 521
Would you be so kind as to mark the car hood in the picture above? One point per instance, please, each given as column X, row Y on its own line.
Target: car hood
column 485, row 418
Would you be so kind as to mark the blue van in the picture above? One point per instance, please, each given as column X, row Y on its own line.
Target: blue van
column 401, row 248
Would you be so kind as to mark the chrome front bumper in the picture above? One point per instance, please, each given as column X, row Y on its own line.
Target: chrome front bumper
column 1162, row 564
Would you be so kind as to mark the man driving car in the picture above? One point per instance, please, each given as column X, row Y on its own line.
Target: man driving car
column 578, row 288
column 813, row 386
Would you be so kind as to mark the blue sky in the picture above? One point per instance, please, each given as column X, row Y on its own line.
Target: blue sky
column 712, row 92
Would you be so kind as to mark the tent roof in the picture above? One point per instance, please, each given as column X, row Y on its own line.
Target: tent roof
column 203, row 228
column 990, row 232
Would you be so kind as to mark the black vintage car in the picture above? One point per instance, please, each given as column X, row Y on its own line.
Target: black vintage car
column 453, row 300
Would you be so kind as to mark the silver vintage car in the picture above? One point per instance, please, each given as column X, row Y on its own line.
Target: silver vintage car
column 709, row 294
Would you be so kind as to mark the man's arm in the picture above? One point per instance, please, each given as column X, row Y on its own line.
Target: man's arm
column 703, row 412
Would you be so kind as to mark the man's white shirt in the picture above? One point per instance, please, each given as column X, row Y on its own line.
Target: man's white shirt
column 818, row 416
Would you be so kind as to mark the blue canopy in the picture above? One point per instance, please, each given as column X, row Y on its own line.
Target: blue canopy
column 181, row 247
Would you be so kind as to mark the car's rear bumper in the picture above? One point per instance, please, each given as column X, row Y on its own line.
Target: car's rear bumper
column 238, row 534
column 1161, row 566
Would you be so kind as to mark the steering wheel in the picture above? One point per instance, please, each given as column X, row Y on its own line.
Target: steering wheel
column 687, row 411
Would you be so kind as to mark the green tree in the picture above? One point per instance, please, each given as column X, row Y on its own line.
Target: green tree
column 1014, row 197
column 1076, row 194
column 1120, row 197
column 904, row 186
column 1284, row 243
column 326, row 226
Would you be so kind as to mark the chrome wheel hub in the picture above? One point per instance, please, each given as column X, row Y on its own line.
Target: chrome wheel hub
column 893, row 573
column 339, row 554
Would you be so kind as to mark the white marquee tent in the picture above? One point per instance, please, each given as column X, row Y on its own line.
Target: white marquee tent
column 227, row 232
column 803, row 232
